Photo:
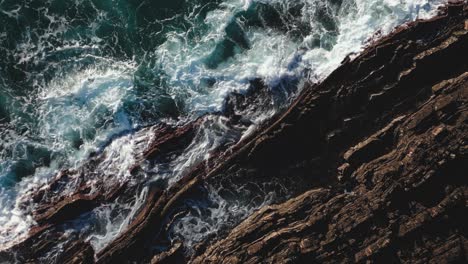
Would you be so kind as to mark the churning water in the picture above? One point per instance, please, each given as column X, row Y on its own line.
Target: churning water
column 83, row 76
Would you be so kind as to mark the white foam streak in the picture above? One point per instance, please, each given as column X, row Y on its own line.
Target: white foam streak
column 114, row 225
column 68, row 108
column 359, row 26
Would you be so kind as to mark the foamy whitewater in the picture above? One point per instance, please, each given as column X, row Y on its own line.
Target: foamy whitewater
column 81, row 77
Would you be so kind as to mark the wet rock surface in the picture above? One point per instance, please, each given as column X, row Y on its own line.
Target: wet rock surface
column 378, row 152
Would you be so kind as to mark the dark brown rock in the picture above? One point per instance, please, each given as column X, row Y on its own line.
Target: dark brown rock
column 405, row 185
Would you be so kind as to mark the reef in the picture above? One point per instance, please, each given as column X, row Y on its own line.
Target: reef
column 379, row 149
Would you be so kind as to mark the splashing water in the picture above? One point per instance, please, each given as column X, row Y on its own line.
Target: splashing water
column 80, row 77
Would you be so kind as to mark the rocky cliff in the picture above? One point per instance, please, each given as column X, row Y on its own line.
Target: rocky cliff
column 374, row 157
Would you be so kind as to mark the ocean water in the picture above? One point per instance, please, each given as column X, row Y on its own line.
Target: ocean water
column 84, row 76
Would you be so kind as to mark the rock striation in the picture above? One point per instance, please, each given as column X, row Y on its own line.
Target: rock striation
column 379, row 149
column 391, row 127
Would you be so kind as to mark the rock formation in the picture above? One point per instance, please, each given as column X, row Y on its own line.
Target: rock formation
column 391, row 126
column 380, row 145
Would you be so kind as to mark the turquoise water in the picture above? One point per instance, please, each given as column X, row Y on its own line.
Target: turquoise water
column 77, row 75
column 76, row 71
